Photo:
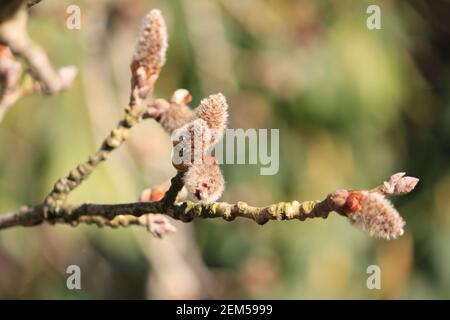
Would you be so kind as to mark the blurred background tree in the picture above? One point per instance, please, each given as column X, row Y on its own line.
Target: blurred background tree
column 352, row 105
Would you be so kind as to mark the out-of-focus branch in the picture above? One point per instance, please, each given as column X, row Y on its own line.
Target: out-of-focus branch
column 11, row 90
column 13, row 32
column 14, row 35
column 8, row 8
column 31, row 3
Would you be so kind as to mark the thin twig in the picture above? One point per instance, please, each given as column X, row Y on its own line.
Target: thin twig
column 81, row 172
column 10, row 98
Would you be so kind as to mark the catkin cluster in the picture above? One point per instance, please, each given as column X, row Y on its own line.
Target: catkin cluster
column 193, row 143
column 194, row 135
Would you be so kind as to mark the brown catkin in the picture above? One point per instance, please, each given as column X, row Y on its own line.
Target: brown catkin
column 150, row 51
column 176, row 116
column 214, row 110
column 191, row 143
column 194, row 141
column 204, row 181
column 378, row 217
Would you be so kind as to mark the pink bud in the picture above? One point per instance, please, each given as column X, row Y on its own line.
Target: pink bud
column 67, row 75
column 399, row 184
column 181, row 96
column 158, row 224
column 406, row 185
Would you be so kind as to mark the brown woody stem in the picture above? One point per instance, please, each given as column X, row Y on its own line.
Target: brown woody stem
column 105, row 214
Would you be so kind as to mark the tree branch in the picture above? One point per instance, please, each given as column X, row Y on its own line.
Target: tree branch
column 368, row 210
column 185, row 211
column 14, row 35
column 31, row 3
column 115, row 215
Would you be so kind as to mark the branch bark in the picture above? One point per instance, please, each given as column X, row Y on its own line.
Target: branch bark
column 185, row 211
column 105, row 214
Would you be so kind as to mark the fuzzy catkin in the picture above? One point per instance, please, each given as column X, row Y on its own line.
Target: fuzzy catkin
column 214, row 110
column 378, row 217
column 178, row 113
column 176, row 116
column 204, row 182
column 151, row 47
column 194, row 141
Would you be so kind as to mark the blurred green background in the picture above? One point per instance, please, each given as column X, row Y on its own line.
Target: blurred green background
column 353, row 106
